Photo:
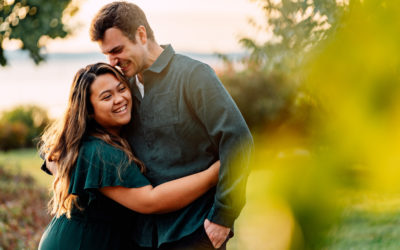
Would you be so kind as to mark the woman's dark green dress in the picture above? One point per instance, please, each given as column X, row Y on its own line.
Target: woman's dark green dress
column 103, row 223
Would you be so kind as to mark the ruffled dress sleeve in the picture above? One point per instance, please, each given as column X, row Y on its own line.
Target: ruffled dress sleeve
column 102, row 165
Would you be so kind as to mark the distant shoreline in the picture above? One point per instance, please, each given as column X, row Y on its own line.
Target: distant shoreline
column 47, row 84
column 18, row 55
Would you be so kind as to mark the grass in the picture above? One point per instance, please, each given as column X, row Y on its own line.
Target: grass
column 363, row 230
column 25, row 161
column 371, row 221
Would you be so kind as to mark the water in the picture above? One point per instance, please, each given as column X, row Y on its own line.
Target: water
column 47, row 85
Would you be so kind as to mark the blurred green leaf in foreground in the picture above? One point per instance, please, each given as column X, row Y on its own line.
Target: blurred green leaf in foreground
column 354, row 144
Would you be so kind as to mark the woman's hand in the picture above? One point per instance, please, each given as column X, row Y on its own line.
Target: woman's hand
column 51, row 166
column 214, row 172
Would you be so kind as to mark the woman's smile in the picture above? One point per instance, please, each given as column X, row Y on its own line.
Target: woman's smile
column 121, row 109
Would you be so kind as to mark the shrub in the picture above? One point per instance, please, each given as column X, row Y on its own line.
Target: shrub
column 21, row 125
column 268, row 100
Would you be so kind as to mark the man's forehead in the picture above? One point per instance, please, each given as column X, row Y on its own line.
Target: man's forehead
column 112, row 38
column 106, row 47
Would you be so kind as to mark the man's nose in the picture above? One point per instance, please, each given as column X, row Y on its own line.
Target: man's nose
column 113, row 60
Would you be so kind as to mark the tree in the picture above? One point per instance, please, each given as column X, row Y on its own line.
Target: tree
column 268, row 90
column 297, row 26
column 31, row 22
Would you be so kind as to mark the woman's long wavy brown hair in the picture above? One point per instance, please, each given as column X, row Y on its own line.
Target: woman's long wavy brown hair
column 62, row 140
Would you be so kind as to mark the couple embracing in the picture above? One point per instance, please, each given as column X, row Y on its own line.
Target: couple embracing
column 154, row 158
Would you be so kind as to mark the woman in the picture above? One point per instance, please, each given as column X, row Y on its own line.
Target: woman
column 99, row 181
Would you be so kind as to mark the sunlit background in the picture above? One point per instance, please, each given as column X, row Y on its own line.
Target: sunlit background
column 318, row 83
column 198, row 29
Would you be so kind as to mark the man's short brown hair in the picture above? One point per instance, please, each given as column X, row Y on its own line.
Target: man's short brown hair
column 127, row 17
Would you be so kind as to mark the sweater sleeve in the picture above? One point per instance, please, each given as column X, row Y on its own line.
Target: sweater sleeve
column 227, row 129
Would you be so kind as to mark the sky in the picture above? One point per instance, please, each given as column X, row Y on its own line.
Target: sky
column 205, row 26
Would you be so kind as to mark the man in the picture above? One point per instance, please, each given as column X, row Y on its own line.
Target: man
column 183, row 120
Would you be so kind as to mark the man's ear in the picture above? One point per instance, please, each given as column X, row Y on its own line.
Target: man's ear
column 141, row 34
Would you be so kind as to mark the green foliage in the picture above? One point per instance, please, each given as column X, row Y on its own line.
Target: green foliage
column 23, row 214
column 21, row 125
column 31, row 22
